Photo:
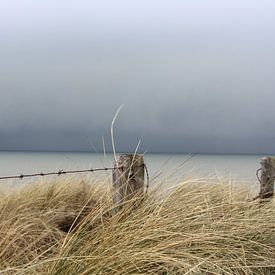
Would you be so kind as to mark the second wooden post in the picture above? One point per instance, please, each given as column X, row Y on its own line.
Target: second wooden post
column 267, row 178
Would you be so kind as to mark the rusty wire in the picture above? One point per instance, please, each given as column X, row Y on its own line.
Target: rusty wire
column 59, row 173
column 148, row 178
column 62, row 172
column 257, row 174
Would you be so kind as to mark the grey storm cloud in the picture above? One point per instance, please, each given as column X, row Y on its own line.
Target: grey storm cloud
column 193, row 76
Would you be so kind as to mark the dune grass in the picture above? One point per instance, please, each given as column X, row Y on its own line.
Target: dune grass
column 67, row 226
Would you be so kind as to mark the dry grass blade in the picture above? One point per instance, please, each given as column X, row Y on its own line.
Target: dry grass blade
column 67, row 227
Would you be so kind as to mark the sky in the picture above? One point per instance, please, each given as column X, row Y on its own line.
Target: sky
column 193, row 76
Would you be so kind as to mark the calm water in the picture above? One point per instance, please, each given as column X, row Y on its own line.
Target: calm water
column 237, row 167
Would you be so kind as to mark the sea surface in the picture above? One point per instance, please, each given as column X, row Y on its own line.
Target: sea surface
column 237, row 168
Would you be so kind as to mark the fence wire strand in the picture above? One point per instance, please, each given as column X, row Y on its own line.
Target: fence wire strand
column 59, row 173
column 66, row 172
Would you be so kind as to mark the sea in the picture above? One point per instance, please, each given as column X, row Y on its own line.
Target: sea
column 170, row 167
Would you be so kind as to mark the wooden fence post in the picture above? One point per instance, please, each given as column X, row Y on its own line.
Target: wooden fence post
column 267, row 178
column 128, row 178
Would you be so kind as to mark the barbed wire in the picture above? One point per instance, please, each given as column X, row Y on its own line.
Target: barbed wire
column 59, row 173
column 64, row 172
column 257, row 174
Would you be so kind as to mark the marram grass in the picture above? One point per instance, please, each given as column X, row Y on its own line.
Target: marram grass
column 68, row 226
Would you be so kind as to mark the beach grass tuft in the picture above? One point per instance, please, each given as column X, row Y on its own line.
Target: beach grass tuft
column 68, row 226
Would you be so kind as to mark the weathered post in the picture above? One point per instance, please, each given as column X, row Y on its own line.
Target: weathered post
column 128, row 178
column 267, row 178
